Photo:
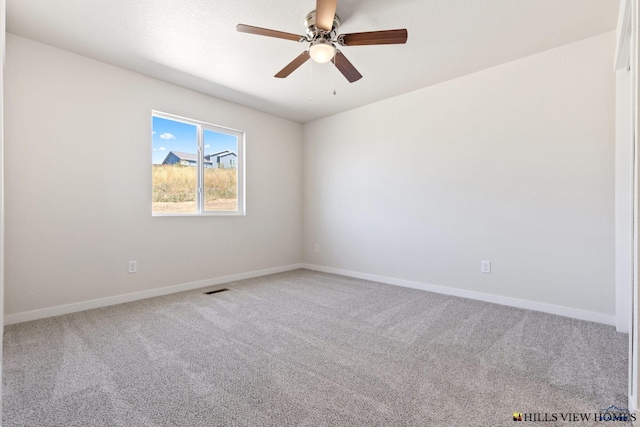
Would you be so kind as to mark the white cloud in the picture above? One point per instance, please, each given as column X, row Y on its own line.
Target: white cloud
column 161, row 148
column 167, row 135
column 207, row 146
column 155, row 149
column 153, row 133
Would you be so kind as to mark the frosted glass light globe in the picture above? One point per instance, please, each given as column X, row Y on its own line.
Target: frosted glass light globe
column 322, row 51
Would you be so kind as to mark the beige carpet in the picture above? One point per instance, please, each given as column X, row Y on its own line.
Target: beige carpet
column 309, row 349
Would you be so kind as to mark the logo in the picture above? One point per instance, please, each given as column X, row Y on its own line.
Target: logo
column 611, row 414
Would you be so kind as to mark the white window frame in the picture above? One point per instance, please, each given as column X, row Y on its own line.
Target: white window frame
column 240, row 169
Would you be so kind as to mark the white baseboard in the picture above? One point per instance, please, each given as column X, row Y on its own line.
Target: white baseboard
column 497, row 299
column 27, row 316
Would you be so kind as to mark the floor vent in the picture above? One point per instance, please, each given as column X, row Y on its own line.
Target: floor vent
column 216, row 291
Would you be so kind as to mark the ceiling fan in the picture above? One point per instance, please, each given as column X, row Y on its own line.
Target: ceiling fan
column 322, row 25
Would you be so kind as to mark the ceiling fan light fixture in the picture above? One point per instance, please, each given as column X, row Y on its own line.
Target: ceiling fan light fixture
column 322, row 35
column 322, row 51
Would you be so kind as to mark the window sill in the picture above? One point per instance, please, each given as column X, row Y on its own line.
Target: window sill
column 196, row 214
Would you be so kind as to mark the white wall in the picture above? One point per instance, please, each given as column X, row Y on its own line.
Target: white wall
column 78, row 185
column 514, row 164
column 2, row 246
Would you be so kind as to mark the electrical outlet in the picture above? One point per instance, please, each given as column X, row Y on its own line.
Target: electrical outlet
column 317, row 249
column 133, row 267
column 486, row 267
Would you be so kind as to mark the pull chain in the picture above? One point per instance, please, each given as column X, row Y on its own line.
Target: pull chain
column 334, row 74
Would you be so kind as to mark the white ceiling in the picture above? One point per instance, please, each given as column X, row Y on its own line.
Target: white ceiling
column 193, row 43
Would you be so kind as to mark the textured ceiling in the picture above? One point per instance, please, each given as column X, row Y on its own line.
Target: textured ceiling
column 193, row 43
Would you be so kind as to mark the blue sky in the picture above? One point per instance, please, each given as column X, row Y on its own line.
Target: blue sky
column 169, row 135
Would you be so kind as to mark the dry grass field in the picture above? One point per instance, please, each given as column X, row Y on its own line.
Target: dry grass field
column 174, row 189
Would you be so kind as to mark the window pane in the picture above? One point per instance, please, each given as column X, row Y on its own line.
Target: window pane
column 174, row 158
column 220, row 171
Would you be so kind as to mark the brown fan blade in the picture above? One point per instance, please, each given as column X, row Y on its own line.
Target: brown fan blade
column 346, row 68
column 293, row 65
column 373, row 37
column 325, row 12
column 269, row 33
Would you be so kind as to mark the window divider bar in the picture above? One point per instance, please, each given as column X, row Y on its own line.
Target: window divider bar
column 200, row 171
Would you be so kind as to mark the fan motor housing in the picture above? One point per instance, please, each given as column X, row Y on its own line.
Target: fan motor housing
column 314, row 32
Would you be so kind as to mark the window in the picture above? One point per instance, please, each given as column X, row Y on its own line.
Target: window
column 198, row 168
